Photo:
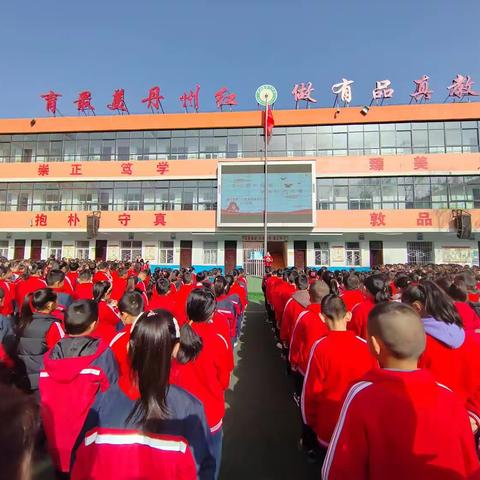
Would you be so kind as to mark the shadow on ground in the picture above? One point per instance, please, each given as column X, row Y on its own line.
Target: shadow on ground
column 262, row 426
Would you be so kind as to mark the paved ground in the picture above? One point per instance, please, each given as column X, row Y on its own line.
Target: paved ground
column 262, row 427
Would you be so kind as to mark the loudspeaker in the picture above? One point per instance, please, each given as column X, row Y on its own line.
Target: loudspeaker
column 464, row 226
column 93, row 224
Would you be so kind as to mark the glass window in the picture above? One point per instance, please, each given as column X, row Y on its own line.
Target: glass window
column 4, row 248
column 210, row 253
column 82, row 249
column 420, row 138
column 436, row 138
column 55, row 250
column 130, row 250
column 355, row 140
column 420, row 253
column 322, row 253
column 166, row 253
column 339, row 141
column 352, row 254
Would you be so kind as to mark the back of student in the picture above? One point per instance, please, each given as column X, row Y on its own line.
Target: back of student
column 397, row 423
column 75, row 370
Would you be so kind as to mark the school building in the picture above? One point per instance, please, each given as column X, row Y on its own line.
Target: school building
column 386, row 185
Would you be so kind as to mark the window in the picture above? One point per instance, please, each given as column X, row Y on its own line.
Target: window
column 209, row 253
column 420, row 253
column 56, row 249
column 352, row 254
column 130, row 250
column 166, row 253
column 322, row 253
column 82, row 249
column 4, row 248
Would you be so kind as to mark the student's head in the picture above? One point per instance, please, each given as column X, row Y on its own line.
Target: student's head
column 470, row 281
column 187, row 277
column 101, row 291
column 334, row 313
column 395, row 334
column 103, row 266
column 85, row 276
column 81, row 317
column 142, row 275
column 131, row 306
column 458, row 290
column 162, row 286
column 220, row 286
column 402, row 281
column 429, row 300
column 318, row 290
column 352, row 282
column 377, row 289
column 155, row 339
column 201, row 304
column 55, row 278
column 292, row 276
column 301, row 282
column 43, row 301
column 19, row 421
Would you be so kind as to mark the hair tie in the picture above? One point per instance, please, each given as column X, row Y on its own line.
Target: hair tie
column 177, row 328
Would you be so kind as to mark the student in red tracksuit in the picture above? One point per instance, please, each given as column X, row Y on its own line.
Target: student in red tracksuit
column 352, row 295
column 8, row 289
column 336, row 361
column 84, row 288
column 184, row 292
column 38, row 331
column 226, row 305
column 72, row 273
column 131, row 308
column 397, row 423
column 376, row 291
column 295, row 305
column 451, row 356
column 208, row 375
column 32, row 280
column 160, row 432
column 109, row 322
column 309, row 327
column 167, row 300
column 75, row 370
column 119, row 284
column 459, row 294
column 283, row 293
column 102, row 274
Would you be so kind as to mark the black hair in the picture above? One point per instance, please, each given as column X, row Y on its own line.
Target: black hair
column 131, row 303
column 85, row 275
column 201, row 276
column 151, row 343
column 162, row 286
column 201, row 305
column 187, row 277
column 302, row 282
column 55, row 276
column 458, row 290
column 376, row 285
column 352, row 282
column 37, row 300
column 73, row 266
column 80, row 315
column 292, row 276
column 333, row 307
column 100, row 289
column 220, row 286
column 434, row 300
column 402, row 281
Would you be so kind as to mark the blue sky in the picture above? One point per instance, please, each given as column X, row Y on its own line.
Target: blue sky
column 101, row 45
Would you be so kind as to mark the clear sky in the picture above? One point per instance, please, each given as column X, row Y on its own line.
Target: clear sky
column 101, row 45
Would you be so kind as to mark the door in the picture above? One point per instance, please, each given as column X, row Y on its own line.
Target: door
column 100, row 250
column 230, row 255
column 277, row 251
column 19, row 250
column 376, row 253
column 36, row 249
column 185, row 253
column 300, row 254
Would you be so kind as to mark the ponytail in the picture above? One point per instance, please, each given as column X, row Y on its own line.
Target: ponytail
column 34, row 302
column 100, row 289
column 378, row 288
column 334, row 287
column 220, row 286
column 190, row 344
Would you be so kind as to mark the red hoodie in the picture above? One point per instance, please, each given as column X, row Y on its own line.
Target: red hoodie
column 68, row 385
column 336, row 362
column 208, row 376
column 399, row 425
column 308, row 329
column 358, row 323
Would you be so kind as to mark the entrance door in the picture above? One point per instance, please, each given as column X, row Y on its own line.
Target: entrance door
column 19, row 250
column 376, row 253
column 100, row 250
column 300, row 254
column 185, row 253
column 36, row 249
column 230, row 255
column 277, row 251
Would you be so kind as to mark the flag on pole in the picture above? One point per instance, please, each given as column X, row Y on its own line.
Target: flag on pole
column 269, row 122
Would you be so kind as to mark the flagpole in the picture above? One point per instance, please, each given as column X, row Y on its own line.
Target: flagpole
column 265, row 210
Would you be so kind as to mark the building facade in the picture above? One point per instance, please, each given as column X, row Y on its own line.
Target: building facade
column 386, row 183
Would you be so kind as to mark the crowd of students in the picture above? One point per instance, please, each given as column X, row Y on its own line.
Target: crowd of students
column 118, row 371
column 385, row 368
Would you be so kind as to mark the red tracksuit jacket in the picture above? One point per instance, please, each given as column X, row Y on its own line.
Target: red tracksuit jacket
column 358, row 323
column 470, row 319
column 399, row 425
column 75, row 370
column 30, row 285
column 282, row 295
column 9, row 295
column 83, row 291
column 336, row 362
column 308, row 329
column 169, row 303
column 208, row 376
column 292, row 310
column 351, row 298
